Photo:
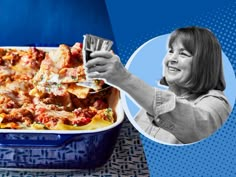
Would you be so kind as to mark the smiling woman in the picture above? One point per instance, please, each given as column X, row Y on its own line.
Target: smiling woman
column 178, row 66
column 193, row 62
column 194, row 106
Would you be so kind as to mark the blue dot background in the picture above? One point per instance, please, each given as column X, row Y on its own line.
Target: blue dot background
column 216, row 155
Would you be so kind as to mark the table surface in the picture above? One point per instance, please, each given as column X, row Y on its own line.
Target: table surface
column 127, row 160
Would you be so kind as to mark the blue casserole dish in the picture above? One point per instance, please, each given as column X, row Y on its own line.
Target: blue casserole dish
column 60, row 149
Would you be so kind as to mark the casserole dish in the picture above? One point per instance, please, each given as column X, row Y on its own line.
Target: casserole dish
column 61, row 149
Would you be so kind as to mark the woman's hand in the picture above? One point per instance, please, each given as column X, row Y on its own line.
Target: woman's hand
column 105, row 65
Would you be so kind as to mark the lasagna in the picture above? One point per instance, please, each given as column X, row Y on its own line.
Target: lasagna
column 39, row 90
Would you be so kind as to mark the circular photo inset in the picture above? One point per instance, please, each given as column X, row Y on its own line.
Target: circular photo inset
column 192, row 87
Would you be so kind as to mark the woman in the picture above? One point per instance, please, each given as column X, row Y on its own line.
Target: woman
column 194, row 106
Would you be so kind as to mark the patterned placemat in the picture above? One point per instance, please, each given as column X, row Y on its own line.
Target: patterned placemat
column 127, row 160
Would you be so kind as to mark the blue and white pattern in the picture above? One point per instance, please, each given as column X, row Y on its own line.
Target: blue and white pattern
column 127, row 160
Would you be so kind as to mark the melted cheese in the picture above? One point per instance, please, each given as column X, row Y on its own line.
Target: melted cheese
column 30, row 92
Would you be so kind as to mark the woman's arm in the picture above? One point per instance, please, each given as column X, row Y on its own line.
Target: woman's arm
column 188, row 122
column 107, row 66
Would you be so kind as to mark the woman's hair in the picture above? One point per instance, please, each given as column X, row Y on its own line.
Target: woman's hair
column 207, row 68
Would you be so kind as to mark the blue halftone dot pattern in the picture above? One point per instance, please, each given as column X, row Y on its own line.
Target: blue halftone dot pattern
column 216, row 155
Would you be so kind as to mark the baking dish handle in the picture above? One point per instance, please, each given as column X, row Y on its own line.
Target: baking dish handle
column 34, row 140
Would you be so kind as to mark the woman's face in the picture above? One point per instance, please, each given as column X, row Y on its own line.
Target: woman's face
column 177, row 65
